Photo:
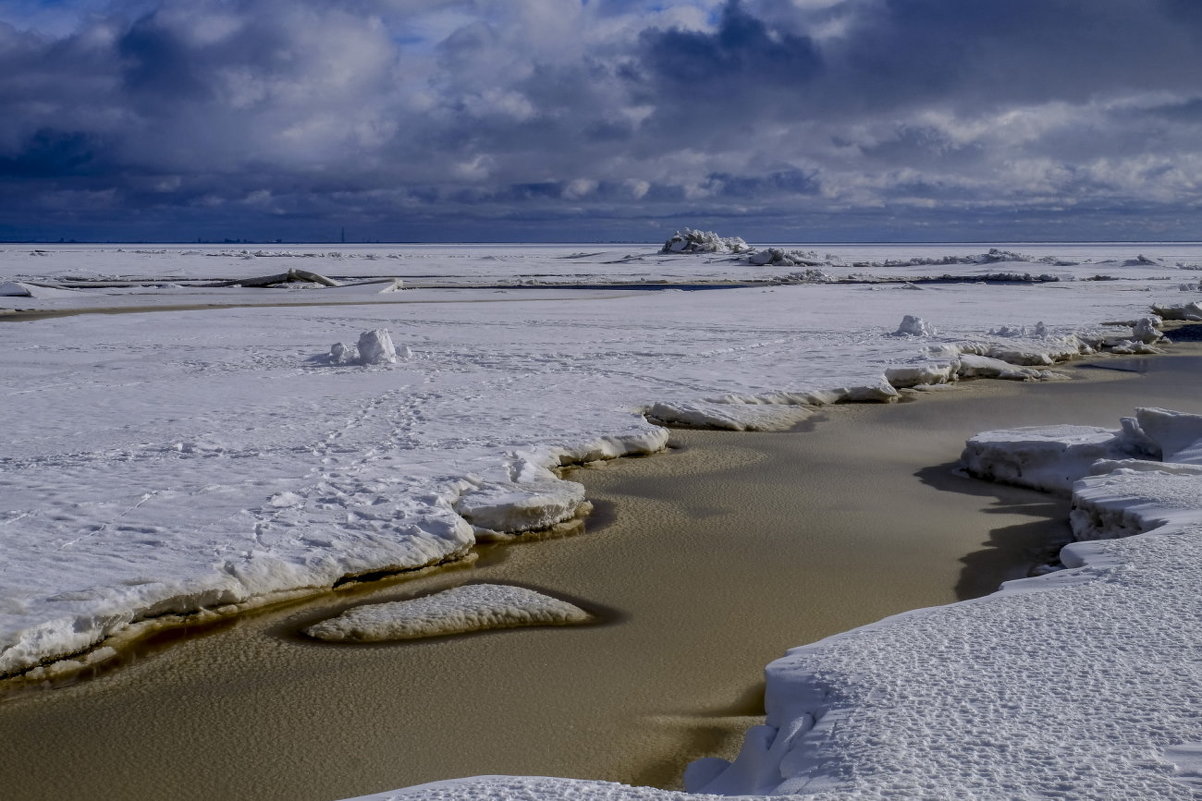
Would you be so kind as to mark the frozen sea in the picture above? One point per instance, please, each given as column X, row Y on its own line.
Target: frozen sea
column 201, row 454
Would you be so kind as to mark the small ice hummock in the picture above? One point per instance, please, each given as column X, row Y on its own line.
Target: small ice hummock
column 375, row 347
column 916, row 327
column 472, row 607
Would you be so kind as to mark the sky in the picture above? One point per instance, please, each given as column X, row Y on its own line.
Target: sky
column 600, row 120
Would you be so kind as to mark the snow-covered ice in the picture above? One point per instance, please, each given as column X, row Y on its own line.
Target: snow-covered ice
column 203, row 461
column 459, row 610
column 1079, row 684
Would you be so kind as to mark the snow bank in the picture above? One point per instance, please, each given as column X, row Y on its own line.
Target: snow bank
column 689, row 240
column 472, row 607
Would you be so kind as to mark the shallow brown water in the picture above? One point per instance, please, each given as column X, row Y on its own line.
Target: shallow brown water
column 718, row 557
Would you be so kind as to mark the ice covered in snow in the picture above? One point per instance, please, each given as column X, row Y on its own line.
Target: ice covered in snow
column 1187, row 311
column 779, row 257
column 689, row 240
column 538, row 500
column 375, row 347
column 1048, row 458
column 471, row 607
column 1079, row 684
column 729, row 416
column 19, row 289
column 915, row 326
column 216, row 465
column 1053, row 458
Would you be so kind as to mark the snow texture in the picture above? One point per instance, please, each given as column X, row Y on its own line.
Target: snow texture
column 194, row 463
column 472, row 607
column 1078, row 684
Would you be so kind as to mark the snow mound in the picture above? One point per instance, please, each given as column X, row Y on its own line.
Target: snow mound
column 689, row 240
column 779, row 257
column 375, row 347
column 915, row 326
column 473, row 607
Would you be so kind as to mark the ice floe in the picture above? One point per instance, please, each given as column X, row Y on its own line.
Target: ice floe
column 472, row 607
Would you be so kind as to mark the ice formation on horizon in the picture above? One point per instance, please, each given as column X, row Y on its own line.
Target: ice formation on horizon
column 689, row 240
column 471, row 607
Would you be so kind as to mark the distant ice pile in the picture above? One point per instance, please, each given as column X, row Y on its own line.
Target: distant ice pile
column 472, row 607
column 689, row 240
column 779, row 257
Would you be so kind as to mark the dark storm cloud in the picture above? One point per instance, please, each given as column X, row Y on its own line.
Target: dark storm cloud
column 443, row 117
column 743, row 54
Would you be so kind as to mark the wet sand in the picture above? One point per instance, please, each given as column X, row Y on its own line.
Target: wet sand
column 704, row 564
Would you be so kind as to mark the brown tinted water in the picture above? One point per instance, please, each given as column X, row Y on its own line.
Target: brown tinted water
column 712, row 561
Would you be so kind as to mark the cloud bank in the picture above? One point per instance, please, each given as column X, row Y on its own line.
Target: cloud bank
column 511, row 120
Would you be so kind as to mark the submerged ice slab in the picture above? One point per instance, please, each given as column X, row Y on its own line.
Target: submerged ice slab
column 472, row 607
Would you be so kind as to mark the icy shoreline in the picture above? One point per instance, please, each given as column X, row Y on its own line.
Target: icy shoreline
column 210, row 462
column 1077, row 683
column 123, row 564
column 526, row 497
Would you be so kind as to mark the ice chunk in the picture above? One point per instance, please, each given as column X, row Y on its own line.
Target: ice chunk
column 473, row 607
column 1177, row 434
column 689, row 240
column 1147, row 329
column 728, row 416
column 920, row 374
column 375, row 347
column 1134, row 499
column 1048, row 458
column 342, row 353
column 915, row 326
column 538, row 503
column 1188, row 311
column 974, row 366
